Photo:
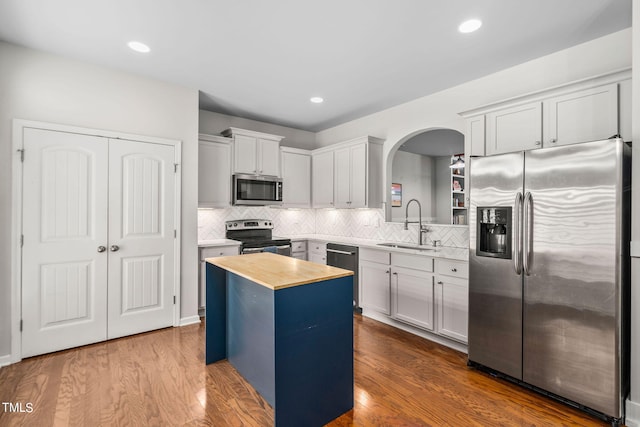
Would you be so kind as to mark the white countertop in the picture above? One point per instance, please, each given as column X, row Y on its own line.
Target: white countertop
column 217, row 242
column 460, row 254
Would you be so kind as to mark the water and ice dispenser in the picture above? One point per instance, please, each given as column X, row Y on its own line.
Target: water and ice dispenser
column 494, row 232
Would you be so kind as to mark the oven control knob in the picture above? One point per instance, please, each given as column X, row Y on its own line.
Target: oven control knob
column 235, row 224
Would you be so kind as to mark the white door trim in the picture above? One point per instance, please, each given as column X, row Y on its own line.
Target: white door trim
column 16, row 221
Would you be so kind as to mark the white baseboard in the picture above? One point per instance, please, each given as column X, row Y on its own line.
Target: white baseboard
column 5, row 360
column 632, row 414
column 191, row 320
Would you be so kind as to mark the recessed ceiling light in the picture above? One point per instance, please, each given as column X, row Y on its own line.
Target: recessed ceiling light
column 138, row 47
column 316, row 100
column 470, row 26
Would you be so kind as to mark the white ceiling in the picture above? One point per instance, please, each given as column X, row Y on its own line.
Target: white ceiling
column 263, row 60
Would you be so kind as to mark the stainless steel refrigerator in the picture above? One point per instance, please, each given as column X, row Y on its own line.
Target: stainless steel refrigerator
column 549, row 271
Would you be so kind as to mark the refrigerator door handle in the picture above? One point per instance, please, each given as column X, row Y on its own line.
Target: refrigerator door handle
column 517, row 233
column 527, row 243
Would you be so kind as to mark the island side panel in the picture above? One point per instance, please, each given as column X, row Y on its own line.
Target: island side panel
column 314, row 352
column 215, row 314
column 250, row 333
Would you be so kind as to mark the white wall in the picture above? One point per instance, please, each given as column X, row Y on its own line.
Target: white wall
column 417, row 175
column 43, row 87
column 633, row 404
column 214, row 123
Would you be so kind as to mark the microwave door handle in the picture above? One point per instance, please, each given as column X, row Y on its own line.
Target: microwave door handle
column 517, row 234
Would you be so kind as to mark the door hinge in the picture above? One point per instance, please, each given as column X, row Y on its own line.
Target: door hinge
column 175, row 168
column 21, row 240
column 175, row 234
column 174, row 300
column 21, row 151
column 20, row 325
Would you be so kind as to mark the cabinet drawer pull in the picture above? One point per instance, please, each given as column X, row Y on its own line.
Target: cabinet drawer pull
column 395, row 274
column 440, row 282
column 454, row 269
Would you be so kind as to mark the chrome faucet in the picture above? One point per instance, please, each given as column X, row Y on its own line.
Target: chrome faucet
column 421, row 228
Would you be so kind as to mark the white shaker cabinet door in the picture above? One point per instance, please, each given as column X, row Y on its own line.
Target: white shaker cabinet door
column 453, row 307
column 358, row 177
column 413, row 296
column 375, row 292
column 268, row 157
column 342, row 177
column 214, row 174
column 245, row 150
column 514, row 129
column 583, row 116
column 296, row 180
column 322, row 188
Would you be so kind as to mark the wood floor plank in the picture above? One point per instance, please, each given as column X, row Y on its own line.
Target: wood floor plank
column 160, row 379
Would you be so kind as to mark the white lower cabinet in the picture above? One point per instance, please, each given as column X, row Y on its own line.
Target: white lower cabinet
column 299, row 249
column 452, row 298
column 211, row 252
column 317, row 252
column 375, row 289
column 413, row 296
column 427, row 293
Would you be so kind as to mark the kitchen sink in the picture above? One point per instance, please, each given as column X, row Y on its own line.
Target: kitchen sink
column 406, row 246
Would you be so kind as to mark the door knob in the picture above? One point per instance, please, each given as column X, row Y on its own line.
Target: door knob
column 101, row 249
column 114, row 248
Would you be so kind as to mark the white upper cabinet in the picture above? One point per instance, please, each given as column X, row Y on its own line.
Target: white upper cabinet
column 255, row 153
column 322, row 179
column 357, row 177
column 589, row 110
column 514, row 129
column 342, row 177
column 268, row 157
column 296, row 177
column 587, row 115
column 214, row 171
column 475, row 134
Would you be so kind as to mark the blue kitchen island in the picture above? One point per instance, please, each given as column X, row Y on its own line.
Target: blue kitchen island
column 286, row 325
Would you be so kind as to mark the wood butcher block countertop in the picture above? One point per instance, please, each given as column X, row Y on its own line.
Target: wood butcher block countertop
column 277, row 271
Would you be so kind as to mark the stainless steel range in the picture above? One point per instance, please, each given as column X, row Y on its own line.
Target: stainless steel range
column 256, row 236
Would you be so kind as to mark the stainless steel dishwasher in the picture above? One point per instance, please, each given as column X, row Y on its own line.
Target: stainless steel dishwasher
column 345, row 256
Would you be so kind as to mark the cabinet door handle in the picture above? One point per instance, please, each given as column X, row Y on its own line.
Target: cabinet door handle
column 101, row 249
column 387, row 271
column 440, row 282
column 454, row 269
column 114, row 248
column 538, row 143
column 553, row 140
column 395, row 274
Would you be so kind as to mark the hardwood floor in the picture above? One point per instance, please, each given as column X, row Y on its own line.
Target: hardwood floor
column 160, row 379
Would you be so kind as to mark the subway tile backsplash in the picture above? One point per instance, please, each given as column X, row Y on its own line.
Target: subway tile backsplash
column 360, row 223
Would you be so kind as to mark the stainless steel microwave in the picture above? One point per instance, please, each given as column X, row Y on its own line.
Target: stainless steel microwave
column 257, row 190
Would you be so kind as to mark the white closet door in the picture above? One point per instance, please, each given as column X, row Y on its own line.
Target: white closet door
column 141, row 237
column 64, row 277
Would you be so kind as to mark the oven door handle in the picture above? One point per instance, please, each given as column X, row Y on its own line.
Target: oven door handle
column 336, row 251
column 283, row 247
column 251, row 250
